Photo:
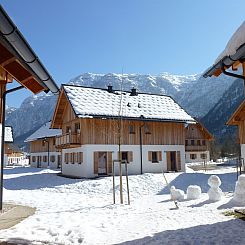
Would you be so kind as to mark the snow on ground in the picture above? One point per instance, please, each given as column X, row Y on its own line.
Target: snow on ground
column 73, row 211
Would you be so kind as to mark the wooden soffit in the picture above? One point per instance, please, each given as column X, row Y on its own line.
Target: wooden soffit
column 14, row 68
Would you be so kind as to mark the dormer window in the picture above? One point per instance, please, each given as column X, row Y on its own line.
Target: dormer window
column 131, row 129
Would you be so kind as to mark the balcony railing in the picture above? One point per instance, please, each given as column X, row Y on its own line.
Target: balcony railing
column 68, row 139
column 196, row 148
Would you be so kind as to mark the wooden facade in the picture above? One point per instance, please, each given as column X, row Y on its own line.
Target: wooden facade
column 197, row 138
column 238, row 119
column 43, row 145
column 79, row 131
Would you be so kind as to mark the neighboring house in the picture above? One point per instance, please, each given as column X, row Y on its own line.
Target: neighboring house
column 152, row 131
column 238, row 119
column 43, row 152
column 15, row 156
column 8, row 140
column 197, row 145
column 233, row 58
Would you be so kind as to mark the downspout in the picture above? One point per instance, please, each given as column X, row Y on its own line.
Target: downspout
column 141, row 148
column 2, row 139
column 233, row 75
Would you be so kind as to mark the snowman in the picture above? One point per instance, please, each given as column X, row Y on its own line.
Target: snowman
column 214, row 193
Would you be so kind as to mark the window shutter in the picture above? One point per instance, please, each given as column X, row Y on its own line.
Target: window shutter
column 130, row 156
column 150, row 156
column 96, row 159
column 81, row 156
column 109, row 162
column 178, row 160
column 168, row 160
column 159, row 156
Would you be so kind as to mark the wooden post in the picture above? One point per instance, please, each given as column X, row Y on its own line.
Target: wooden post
column 113, row 182
column 126, row 170
column 2, row 91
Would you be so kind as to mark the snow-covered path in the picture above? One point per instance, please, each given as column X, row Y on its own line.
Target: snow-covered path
column 73, row 211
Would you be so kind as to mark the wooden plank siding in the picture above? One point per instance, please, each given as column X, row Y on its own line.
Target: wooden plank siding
column 241, row 132
column 98, row 131
column 193, row 132
column 39, row 146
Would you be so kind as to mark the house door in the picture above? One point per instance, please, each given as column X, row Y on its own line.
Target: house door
column 102, row 163
column 39, row 161
column 59, row 161
column 173, row 160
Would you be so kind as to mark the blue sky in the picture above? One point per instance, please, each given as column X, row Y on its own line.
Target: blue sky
column 136, row 36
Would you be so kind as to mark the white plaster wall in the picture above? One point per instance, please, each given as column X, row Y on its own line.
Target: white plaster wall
column 45, row 164
column 75, row 169
column 86, row 169
column 198, row 159
column 243, row 151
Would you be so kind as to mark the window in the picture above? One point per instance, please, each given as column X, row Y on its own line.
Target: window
column 154, row 156
column 186, row 142
column 193, row 156
column 131, row 129
column 52, row 158
column 72, row 157
column 44, row 158
column 147, row 129
column 127, row 156
column 198, row 142
column 77, row 128
column 66, row 158
column 68, row 129
column 79, row 157
column 204, row 156
column 192, row 142
column 204, row 142
column 33, row 159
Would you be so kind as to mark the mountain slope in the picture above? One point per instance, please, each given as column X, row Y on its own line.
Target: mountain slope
column 194, row 93
column 217, row 117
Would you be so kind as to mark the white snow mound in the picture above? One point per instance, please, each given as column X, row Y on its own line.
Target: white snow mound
column 193, row 192
column 177, row 194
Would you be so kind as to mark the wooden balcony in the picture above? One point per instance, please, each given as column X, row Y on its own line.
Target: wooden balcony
column 68, row 140
column 196, row 148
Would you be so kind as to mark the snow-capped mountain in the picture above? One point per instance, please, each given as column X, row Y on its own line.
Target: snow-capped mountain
column 194, row 93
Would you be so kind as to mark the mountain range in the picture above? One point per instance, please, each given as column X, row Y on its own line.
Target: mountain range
column 200, row 97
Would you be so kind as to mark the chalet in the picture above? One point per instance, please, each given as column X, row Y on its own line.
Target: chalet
column 197, row 140
column 43, row 152
column 149, row 128
column 8, row 140
column 230, row 62
column 15, row 156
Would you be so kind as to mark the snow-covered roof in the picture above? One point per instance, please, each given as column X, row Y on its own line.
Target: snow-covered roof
column 44, row 132
column 94, row 102
column 236, row 41
column 234, row 51
column 8, row 137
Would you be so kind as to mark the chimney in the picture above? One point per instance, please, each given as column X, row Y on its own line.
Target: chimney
column 110, row 89
column 133, row 92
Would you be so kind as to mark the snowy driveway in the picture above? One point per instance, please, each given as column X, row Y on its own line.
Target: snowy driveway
column 71, row 211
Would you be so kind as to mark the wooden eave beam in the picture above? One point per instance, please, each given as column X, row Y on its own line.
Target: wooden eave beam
column 217, row 72
column 236, row 65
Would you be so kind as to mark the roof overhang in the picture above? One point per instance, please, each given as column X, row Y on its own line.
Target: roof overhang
column 238, row 115
column 232, row 61
column 19, row 61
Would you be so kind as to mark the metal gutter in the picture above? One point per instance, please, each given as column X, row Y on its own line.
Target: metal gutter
column 16, row 40
column 227, row 61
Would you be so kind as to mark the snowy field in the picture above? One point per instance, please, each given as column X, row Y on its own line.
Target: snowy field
column 72, row 211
